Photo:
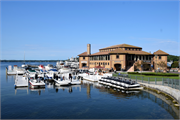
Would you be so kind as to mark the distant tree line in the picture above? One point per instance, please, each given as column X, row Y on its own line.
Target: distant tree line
column 172, row 58
column 30, row 60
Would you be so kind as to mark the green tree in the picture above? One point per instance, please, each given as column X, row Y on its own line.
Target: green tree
column 175, row 64
column 172, row 58
column 162, row 65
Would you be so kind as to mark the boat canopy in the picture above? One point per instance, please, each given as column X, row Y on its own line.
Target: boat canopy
column 30, row 70
column 42, row 70
column 53, row 70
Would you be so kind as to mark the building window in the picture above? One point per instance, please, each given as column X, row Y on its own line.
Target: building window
column 125, row 48
column 101, row 63
column 159, row 57
column 108, row 63
column 117, row 56
column 133, row 49
column 83, row 58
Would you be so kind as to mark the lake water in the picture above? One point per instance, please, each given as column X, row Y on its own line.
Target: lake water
column 86, row 101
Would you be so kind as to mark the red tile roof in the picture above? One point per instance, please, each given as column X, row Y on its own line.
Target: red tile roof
column 130, row 52
column 160, row 52
column 100, row 53
column 121, row 46
column 83, row 54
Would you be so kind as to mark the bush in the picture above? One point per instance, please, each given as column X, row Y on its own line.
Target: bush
column 154, row 74
column 133, row 73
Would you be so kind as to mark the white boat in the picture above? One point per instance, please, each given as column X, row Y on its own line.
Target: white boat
column 48, row 67
column 63, row 79
column 37, row 83
column 50, row 75
column 65, row 69
column 21, row 81
column 54, row 70
column 41, row 67
column 31, row 71
column 21, row 71
column 24, row 65
column 60, row 64
column 73, row 80
column 11, row 71
column 61, row 83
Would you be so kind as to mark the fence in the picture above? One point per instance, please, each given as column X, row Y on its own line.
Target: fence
column 173, row 83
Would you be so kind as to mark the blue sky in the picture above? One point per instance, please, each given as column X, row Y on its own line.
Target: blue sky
column 60, row 29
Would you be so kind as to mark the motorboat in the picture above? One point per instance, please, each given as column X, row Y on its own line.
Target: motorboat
column 31, row 71
column 36, row 83
column 48, row 67
column 41, row 67
column 73, row 79
column 50, row 75
column 59, row 81
column 60, row 64
column 55, row 71
column 65, row 69
column 11, row 70
column 21, row 81
column 21, row 71
column 24, row 65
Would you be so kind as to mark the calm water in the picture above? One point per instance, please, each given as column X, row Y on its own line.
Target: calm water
column 86, row 101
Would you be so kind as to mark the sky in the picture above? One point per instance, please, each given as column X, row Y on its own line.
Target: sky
column 58, row 30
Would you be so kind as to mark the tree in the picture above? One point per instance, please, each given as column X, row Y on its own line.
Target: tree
column 162, row 65
column 172, row 58
column 175, row 64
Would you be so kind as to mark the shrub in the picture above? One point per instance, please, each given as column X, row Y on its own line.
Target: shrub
column 154, row 74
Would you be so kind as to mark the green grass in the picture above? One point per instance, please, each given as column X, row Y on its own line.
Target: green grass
column 145, row 77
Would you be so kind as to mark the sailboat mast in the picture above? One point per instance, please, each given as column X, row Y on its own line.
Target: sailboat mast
column 24, row 56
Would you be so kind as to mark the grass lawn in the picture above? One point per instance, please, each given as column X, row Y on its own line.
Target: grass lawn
column 145, row 77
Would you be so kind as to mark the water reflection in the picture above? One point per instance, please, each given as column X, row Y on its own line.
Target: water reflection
column 141, row 94
column 21, row 89
column 36, row 90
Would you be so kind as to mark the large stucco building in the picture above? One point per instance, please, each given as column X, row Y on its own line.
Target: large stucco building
column 123, row 57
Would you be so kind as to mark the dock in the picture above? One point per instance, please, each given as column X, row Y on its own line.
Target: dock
column 21, row 81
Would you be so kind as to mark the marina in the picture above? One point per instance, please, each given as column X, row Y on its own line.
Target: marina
column 90, row 59
column 84, row 99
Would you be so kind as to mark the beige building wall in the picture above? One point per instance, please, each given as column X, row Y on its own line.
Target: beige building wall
column 121, row 60
column 96, row 63
column 81, row 59
column 157, row 60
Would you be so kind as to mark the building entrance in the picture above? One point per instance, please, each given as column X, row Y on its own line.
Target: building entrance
column 84, row 64
column 117, row 67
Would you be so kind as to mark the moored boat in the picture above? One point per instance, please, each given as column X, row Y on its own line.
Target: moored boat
column 36, row 83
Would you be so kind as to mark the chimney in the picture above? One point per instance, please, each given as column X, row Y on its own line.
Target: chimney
column 88, row 49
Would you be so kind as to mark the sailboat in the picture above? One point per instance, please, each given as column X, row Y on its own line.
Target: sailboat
column 24, row 65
